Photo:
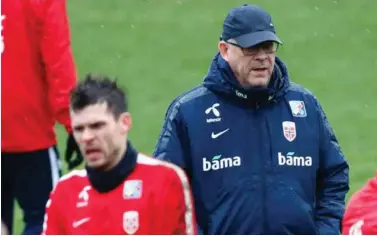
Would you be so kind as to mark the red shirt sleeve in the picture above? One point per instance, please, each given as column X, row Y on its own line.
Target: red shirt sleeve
column 53, row 224
column 58, row 60
column 360, row 217
column 179, row 214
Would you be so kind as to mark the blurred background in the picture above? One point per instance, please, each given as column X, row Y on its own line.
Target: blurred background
column 160, row 48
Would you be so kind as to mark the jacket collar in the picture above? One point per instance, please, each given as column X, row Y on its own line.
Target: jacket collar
column 221, row 79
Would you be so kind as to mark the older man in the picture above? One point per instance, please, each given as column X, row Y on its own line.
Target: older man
column 260, row 153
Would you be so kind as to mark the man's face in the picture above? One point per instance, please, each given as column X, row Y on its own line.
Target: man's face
column 252, row 66
column 100, row 136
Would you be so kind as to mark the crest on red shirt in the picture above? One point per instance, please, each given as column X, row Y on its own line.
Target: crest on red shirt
column 132, row 189
column 289, row 130
column 130, row 222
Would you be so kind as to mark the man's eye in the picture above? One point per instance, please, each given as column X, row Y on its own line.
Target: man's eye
column 78, row 128
column 267, row 46
column 97, row 125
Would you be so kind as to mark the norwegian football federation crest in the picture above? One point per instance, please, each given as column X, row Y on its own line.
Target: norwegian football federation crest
column 132, row 189
column 289, row 130
column 131, row 222
column 298, row 108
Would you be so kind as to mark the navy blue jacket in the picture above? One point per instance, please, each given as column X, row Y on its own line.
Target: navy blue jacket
column 261, row 161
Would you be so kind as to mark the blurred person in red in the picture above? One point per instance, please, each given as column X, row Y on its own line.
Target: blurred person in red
column 120, row 191
column 37, row 73
column 360, row 217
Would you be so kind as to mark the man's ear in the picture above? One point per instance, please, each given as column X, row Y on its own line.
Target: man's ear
column 223, row 49
column 125, row 122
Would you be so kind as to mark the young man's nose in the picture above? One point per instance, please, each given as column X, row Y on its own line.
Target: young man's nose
column 87, row 135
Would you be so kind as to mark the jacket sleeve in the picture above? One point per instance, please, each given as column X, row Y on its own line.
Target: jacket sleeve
column 178, row 212
column 173, row 144
column 58, row 59
column 52, row 224
column 332, row 179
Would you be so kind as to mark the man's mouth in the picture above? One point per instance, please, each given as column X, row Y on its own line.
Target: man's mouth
column 259, row 69
column 92, row 150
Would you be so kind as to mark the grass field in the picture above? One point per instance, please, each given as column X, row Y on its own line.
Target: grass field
column 158, row 49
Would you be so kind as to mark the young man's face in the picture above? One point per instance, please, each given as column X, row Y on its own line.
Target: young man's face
column 252, row 66
column 100, row 135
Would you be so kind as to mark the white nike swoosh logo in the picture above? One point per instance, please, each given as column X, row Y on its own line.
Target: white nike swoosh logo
column 77, row 223
column 213, row 135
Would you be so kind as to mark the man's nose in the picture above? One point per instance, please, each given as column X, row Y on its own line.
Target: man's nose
column 260, row 54
column 87, row 135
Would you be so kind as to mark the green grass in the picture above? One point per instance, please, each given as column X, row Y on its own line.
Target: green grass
column 158, row 49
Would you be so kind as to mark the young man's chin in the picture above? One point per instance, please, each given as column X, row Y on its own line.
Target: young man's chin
column 95, row 161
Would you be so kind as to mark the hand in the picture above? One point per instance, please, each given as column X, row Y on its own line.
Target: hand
column 72, row 148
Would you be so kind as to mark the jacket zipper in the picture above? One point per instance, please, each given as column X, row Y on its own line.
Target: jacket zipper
column 264, row 207
column 263, row 161
column 267, row 163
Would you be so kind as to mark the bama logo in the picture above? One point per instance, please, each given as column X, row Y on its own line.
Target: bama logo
column 218, row 163
column 291, row 160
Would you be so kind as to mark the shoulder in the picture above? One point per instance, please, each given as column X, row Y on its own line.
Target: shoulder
column 188, row 98
column 71, row 181
column 163, row 169
column 299, row 92
column 74, row 174
column 191, row 95
column 299, row 89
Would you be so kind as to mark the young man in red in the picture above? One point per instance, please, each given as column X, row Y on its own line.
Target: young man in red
column 361, row 213
column 120, row 191
column 37, row 72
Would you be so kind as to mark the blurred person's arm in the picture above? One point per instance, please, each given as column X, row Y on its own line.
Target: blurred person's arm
column 58, row 60
column 60, row 70
column 332, row 180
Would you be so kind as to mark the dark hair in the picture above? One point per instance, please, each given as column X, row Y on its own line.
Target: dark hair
column 99, row 88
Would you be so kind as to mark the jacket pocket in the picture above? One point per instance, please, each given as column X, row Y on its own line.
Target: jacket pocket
column 291, row 210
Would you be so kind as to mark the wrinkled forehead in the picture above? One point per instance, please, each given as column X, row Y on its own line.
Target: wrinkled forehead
column 91, row 114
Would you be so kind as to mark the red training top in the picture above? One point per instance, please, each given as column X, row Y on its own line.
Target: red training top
column 154, row 199
column 37, row 73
